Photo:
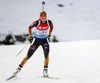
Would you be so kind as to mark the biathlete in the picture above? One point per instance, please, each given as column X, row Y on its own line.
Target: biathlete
column 44, row 29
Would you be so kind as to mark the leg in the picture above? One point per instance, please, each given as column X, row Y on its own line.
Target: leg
column 46, row 62
column 20, row 66
column 45, row 47
column 23, row 61
column 31, row 50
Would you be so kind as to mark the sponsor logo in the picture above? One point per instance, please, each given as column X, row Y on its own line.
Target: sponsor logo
column 42, row 28
column 45, row 44
column 33, row 46
column 45, row 47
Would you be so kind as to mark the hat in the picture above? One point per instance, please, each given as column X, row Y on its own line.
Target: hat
column 43, row 14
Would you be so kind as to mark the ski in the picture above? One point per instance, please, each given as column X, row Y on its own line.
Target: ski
column 56, row 78
column 10, row 77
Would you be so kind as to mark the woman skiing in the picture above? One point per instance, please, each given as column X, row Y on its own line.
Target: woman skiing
column 44, row 29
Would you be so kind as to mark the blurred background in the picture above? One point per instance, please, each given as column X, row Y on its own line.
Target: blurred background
column 74, row 20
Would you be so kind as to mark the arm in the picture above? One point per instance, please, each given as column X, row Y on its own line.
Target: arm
column 51, row 28
column 29, row 29
column 34, row 24
column 30, row 33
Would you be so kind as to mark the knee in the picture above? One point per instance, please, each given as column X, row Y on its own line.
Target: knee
column 30, row 52
column 47, row 56
column 26, row 58
column 46, row 53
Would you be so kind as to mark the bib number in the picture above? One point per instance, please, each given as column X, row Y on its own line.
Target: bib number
column 42, row 33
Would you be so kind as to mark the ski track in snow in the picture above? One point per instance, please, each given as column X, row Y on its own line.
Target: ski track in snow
column 72, row 62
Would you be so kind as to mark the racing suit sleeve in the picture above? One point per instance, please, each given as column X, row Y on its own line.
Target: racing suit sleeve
column 34, row 24
column 51, row 28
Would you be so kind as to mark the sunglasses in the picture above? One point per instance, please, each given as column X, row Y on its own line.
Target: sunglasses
column 43, row 14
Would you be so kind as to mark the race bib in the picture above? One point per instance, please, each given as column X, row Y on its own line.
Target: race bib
column 43, row 32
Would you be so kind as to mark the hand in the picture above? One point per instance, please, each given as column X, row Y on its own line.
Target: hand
column 30, row 39
column 49, row 37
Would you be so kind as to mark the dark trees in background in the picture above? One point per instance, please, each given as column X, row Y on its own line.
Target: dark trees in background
column 8, row 40
column 55, row 39
column 11, row 39
column 20, row 38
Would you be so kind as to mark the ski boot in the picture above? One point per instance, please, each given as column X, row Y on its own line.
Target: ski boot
column 17, row 71
column 45, row 72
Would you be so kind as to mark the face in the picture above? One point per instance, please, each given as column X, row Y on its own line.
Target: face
column 43, row 19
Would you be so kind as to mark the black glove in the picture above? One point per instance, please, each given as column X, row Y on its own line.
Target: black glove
column 30, row 39
column 49, row 37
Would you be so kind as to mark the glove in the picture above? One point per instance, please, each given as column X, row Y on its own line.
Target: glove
column 30, row 39
column 49, row 37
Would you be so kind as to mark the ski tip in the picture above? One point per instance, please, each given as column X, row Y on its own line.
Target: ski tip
column 10, row 78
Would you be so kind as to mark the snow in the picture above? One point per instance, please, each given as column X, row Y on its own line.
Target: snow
column 79, row 21
column 72, row 62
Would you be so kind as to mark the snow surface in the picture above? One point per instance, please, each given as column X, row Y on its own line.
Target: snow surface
column 72, row 62
column 77, row 20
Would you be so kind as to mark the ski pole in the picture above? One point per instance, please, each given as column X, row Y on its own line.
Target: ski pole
column 43, row 3
column 22, row 49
